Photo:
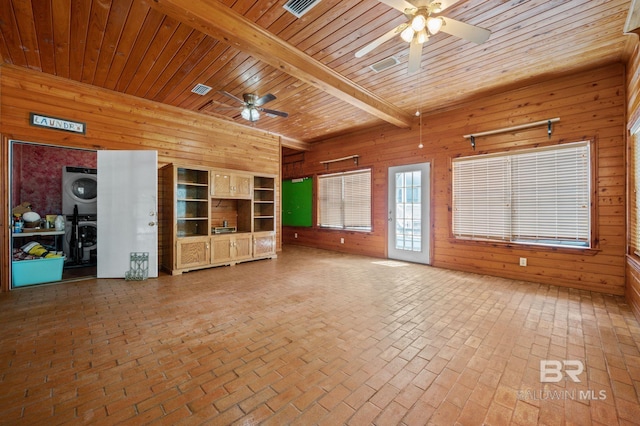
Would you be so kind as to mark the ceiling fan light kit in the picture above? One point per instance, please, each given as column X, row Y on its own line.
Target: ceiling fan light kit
column 422, row 28
column 435, row 24
column 252, row 106
column 418, row 22
column 422, row 25
column 250, row 114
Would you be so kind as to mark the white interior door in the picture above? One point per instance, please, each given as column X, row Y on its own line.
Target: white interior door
column 127, row 211
column 409, row 214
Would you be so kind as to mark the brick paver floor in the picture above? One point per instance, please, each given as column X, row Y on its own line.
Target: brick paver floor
column 316, row 337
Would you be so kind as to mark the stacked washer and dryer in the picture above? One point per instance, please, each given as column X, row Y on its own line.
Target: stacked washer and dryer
column 80, row 188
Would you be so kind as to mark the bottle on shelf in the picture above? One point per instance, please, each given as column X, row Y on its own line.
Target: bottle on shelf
column 59, row 223
column 18, row 223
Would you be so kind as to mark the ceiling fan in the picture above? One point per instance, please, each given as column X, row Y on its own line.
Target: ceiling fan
column 423, row 24
column 252, row 106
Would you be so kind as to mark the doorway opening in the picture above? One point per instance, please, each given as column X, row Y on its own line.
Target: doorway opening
column 37, row 179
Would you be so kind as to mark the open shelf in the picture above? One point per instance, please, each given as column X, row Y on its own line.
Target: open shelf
column 191, row 209
column 189, row 227
column 190, row 191
column 263, row 204
column 193, row 177
column 192, row 202
column 235, row 212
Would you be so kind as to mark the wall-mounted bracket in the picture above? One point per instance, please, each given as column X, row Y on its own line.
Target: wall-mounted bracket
column 513, row 128
column 327, row 162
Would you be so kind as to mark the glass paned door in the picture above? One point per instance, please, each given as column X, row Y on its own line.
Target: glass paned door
column 408, row 235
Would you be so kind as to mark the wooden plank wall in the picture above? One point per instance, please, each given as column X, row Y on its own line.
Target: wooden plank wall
column 118, row 121
column 633, row 114
column 590, row 104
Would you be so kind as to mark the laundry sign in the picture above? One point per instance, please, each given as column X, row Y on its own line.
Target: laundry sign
column 57, row 123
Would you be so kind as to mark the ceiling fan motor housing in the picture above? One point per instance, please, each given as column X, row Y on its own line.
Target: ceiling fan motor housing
column 250, row 98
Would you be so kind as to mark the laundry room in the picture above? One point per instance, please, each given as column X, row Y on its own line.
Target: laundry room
column 53, row 194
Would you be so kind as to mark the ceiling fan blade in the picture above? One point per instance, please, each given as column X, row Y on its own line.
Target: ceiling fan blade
column 400, row 5
column 377, row 42
column 217, row 105
column 274, row 112
column 205, row 105
column 444, row 4
column 466, row 31
column 415, row 55
column 222, row 92
column 263, row 100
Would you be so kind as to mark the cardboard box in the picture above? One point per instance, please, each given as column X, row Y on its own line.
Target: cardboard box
column 36, row 271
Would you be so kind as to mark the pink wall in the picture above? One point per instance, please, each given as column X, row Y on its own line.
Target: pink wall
column 37, row 174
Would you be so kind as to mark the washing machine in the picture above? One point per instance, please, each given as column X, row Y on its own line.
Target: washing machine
column 86, row 240
column 79, row 187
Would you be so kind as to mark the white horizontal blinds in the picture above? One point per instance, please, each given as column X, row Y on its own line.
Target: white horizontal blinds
column 345, row 200
column 539, row 196
column 481, row 198
column 551, row 194
column 330, row 197
column 357, row 200
column 635, row 203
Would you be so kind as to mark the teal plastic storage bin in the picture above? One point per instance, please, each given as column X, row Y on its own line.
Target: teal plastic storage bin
column 36, row 271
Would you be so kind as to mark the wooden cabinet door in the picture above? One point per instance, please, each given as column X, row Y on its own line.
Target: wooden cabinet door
column 264, row 244
column 229, row 248
column 224, row 184
column 192, row 252
column 241, row 186
column 221, row 249
column 221, row 185
column 242, row 247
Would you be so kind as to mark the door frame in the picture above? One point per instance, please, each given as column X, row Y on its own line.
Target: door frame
column 7, row 153
column 427, row 211
column 5, row 209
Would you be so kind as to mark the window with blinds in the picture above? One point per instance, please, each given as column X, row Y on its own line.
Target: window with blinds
column 538, row 196
column 344, row 200
column 634, row 226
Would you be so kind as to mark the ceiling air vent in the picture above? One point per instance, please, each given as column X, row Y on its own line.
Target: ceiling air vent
column 201, row 89
column 299, row 7
column 385, row 64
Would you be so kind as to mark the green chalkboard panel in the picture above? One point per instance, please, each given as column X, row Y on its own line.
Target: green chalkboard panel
column 297, row 202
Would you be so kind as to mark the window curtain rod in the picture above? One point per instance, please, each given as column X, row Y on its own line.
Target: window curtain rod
column 327, row 162
column 548, row 122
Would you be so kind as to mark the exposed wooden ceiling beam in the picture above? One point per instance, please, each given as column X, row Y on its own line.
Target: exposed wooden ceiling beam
column 632, row 25
column 222, row 23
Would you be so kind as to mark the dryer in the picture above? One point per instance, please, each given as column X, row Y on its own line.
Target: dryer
column 79, row 187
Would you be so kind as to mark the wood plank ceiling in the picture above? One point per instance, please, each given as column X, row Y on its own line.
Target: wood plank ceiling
column 159, row 51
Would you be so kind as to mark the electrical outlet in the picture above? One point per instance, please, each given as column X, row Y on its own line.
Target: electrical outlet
column 341, row 240
column 523, row 261
column 295, row 235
